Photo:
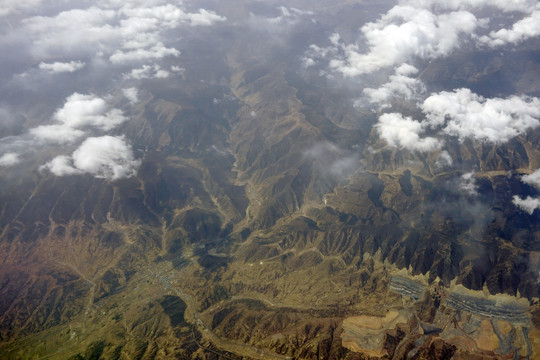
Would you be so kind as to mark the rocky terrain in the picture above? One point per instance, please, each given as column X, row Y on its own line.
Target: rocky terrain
column 268, row 220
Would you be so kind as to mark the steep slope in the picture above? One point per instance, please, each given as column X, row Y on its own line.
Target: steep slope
column 269, row 220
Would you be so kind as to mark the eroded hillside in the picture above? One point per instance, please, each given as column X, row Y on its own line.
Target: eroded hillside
column 270, row 220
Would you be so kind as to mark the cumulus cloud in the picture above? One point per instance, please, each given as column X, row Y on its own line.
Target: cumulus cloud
column 132, row 94
column 60, row 67
column 464, row 114
column 307, row 62
column 503, row 5
column 156, row 51
column 81, row 111
column 287, row 17
column 428, row 29
column 528, row 204
column 403, row 33
column 316, row 53
column 444, row 160
column 78, row 113
column 532, row 179
column 203, row 18
column 124, row 32
column 14, row 6
column 424, row 30
column 9, row 159
column 73, row 32
column 153, row 71
column 468, row 184
column 106, row 157
column 404, row 132
column 59, row 134
column 61, row 166
column 401, row 84
column 521, row 30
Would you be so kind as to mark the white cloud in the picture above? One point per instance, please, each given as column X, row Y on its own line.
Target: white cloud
column 307, row 62
column 177, row 69
column 14, row 6
column 61, row 166
column 463, row 114
column 106, row 156
column 60, row 67
column 132, row 94
column 404, row 132
column 401, row 85
column 529, row 204
column 403, row 33
column 73, row 32
column 429, row 29
column 9, row 159
column 103, row 157
column 203, row 18
column 81, row 111
column 59, row 134
column 503, row 5
column 444, row 159
column 521, row 30
column 78, row 113
column 169, row 15
column 288, row 16
column 532, row 179
column 157, row 51
column 316, row 53
column 121, row 31
column 468, row 184
column 147, row 72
